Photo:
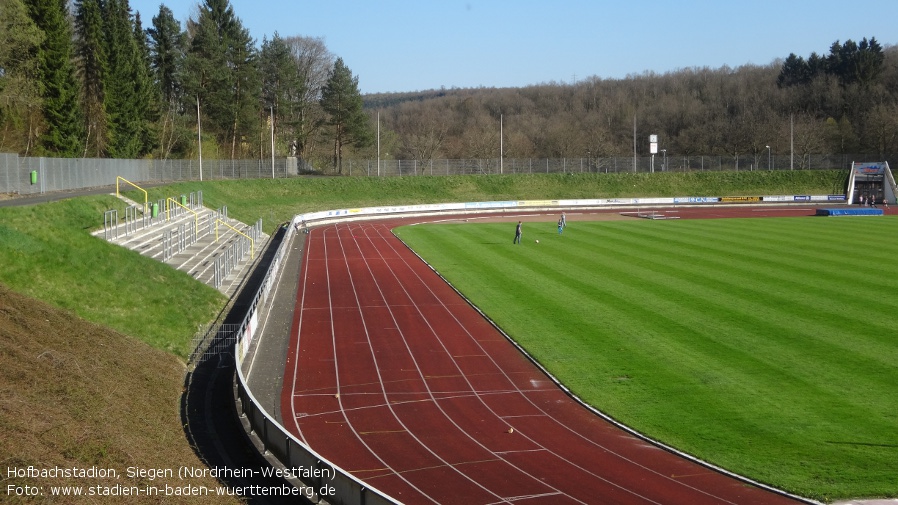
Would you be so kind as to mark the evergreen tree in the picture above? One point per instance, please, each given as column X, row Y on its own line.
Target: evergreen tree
column 122, row 98
column 795, row 71
column 145, row 91
column 247, row 86
column 222, row 74
column 342, row 101
column 855, row 63
column 20, row 40
column 91, row 51
column 166, row 48
column 869, row 61
column 279, row 82
column 206, row 75
column 63, row 133
column 816, row 65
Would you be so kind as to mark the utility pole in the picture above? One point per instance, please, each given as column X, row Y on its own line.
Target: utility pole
column 501, row 144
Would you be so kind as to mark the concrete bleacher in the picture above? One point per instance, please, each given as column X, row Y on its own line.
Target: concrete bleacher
column 186, row 240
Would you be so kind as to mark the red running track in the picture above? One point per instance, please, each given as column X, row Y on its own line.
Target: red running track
column 396, row 379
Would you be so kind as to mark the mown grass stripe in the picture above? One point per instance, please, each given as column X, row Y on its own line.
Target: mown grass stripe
column 746, row 280
column 757, row 344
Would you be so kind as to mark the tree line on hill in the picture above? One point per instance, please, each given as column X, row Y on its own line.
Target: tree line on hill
column 90, row 81
column 843, row 103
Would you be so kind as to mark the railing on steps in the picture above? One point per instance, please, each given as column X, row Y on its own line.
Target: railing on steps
column 176, row 240
column 227, row 262
column 179, row 236
column 138, row 217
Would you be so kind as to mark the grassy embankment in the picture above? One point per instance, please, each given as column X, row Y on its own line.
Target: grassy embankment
column 278, row 200
column 76, row 372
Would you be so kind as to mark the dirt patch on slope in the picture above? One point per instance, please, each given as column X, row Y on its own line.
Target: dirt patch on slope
column 80, row 399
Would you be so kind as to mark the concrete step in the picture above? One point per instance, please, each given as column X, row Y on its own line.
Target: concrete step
column 198, row 259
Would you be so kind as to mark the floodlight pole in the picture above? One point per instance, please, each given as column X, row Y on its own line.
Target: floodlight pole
column 634, row 142
column 199, row 135
column 791, row 143
column 271, row 109
column 378, row 143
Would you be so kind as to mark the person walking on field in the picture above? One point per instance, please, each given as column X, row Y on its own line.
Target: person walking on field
column 517, row 234
column 563, row 220
column 560, row 225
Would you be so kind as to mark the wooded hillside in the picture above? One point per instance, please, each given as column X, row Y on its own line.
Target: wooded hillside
column 696, row 111
column 93, row 82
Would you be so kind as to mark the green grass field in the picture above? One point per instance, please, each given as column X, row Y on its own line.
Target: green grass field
column 765, row 346
column 47, row 252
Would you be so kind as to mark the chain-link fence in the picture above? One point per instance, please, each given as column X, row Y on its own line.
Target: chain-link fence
column 25, row 176
column 641, row 164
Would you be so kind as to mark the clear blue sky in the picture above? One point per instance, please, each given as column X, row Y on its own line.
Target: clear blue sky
column 411, row 45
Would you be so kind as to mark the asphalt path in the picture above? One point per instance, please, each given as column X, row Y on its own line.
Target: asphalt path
column 53, row 196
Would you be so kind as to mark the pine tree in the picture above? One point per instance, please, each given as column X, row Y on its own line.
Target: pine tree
column 342, row 101
column 63, row 133
column 146, row 94
column 247, row 86
column 856, row 63
column 222, row 74
column 795, row 71
column 869, row 61
column 20, row 40
column 91, row 51
column 279, row 82
column 122, row 98
column 166, row 54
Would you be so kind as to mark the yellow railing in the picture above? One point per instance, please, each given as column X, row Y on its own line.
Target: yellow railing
column 252, row 246
column 196, row 217
column 146, row 199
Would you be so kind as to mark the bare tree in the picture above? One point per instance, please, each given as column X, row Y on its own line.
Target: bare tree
column 809, row 139
column 304, row 116
column 882, row 128
column 422, row 132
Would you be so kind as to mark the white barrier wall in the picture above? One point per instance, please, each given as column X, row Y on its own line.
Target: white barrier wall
column 343, row 488
column 335, row 215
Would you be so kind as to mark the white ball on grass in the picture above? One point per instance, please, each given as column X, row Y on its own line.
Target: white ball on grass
column 537, row 241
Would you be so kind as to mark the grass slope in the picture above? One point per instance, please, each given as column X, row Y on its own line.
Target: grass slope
column 46, row 252
column 77, row 395
column 765, row 346
column 277, row 200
